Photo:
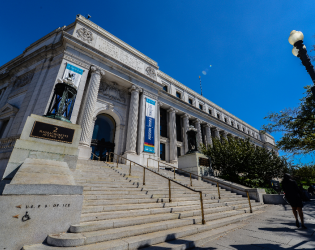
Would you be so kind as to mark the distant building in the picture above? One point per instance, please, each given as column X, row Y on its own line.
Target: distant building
column 125, row 104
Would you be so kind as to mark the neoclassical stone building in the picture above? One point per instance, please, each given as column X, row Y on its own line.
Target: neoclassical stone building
column 124, row 104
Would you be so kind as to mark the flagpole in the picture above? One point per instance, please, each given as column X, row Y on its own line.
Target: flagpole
column 200, row 84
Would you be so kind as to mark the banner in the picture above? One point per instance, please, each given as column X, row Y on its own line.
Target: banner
column 149, row 126
column 74, row 73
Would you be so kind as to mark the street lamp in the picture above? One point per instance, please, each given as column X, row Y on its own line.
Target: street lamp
column 299, row 50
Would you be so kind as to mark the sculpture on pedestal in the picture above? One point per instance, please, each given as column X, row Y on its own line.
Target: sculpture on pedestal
column 192, row 141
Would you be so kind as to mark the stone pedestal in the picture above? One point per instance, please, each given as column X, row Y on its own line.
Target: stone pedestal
column 190, row 162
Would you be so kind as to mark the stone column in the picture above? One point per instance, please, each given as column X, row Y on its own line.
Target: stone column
column 198, row 127
column 87, row 121
column 224, row 134
column 133, row 120
column 208, row 135
column 216, row 133
column 186, row 126
column 172, row 137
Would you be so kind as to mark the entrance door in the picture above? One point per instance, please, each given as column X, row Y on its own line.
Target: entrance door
column 103, row 136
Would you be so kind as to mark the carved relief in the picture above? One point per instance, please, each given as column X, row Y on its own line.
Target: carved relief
column 24, row 79
column 150, row 72
column 112, row 92
column 85, row 35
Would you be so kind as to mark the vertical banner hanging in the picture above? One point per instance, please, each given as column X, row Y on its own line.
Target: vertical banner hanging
column 149, row 126
column 74, row 73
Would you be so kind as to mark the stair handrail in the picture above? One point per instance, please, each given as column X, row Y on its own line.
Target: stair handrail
column 202, row 177
column 94, row 155
column 169, row 183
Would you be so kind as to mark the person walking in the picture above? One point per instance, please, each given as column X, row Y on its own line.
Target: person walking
column 294, row 196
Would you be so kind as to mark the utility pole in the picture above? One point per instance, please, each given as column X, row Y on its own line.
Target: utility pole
column 200, row 84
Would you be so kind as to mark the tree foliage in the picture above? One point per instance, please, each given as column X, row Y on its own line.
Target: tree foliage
column 241, row 161
column 297, row 126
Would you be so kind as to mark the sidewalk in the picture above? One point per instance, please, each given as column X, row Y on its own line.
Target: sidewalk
column 274, row 229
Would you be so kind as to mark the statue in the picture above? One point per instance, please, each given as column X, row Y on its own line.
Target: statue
column 192, row 141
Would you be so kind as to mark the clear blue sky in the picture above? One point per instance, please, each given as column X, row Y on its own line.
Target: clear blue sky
column 253, row 70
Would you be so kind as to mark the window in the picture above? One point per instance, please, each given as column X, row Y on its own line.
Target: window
column 209, row 111
column 163, row 122
column 178, row 95
column 165, row 88
column 162, row 151
column 178, row 151
column 200, row 106
column 3, row 127
column 225, row 120
column 178, row 128
column 190, row 101
column 238, row 126
column 243, row 130
column 218, row 116
column 232, row 124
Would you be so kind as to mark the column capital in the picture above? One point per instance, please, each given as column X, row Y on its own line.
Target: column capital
column 185, row 116
column 207, row 125
column 135, row 88
column 172, row 110
column 198, row 120
column 97, row 70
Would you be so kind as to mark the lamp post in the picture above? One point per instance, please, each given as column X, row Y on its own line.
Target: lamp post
column 299, row 50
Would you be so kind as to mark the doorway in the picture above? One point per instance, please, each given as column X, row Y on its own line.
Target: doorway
column 103, row 137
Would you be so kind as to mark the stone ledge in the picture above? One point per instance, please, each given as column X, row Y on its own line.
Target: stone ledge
column 42, row 189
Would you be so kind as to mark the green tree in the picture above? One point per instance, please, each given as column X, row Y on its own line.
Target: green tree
column 297, row 126
column 242, row 162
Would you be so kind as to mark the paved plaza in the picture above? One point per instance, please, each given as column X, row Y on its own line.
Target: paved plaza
column 274, row 229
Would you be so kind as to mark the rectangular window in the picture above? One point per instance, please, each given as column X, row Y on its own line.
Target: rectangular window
column 178, row 95
column 238, row 126
column 162, row 151
column 200, row 106
column 218, row 116
column 163, row 122
column 165, row 88
column 225, row 120
column 209, row 111
column 3, row 127
column 232, row 124
column 178, row 128
column 190, row 101
column 178, row 151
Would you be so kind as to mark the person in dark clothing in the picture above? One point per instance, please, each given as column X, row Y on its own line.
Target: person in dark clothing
column 294, row 196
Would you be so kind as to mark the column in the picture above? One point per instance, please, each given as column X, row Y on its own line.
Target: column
column 186, row 126
column 208, row 135
column 216, row 133
column 172, row 137
column 224, row 134
column 141, row 126
column 199, row 139
column 133, row 120
column 87, row 121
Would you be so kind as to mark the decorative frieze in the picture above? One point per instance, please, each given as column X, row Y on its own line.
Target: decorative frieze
column 85, row 35
column 112, row 92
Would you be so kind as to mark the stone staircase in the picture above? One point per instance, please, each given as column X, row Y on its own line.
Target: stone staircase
column 120, row 213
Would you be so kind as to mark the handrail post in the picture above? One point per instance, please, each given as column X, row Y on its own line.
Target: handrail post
column 190, row 180
column 218, row 190
column 169, row 191
column 174, row 173
column 117, row 161
column 130, row 169
column 158, row 166
column 250, row 205
column 143, row 176
column 202, row 212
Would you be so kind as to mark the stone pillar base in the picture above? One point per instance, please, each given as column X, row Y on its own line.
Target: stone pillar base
column 84, row 152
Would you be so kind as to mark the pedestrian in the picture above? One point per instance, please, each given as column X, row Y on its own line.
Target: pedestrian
column 294, row 196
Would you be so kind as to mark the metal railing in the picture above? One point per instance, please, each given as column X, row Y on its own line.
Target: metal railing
column 169, row 182
column 94, row 155
column 202, row 177
column 8, row 142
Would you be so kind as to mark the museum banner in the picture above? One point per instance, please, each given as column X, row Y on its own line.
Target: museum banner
column 149, row 126
column 74, row 73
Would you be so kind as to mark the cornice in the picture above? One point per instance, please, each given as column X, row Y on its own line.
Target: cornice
column 79, row 61
column 116, row 40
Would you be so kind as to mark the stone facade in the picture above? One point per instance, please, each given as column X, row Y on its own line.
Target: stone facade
column 116, row 81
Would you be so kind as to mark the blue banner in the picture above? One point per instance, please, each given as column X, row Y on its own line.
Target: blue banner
column 149, row 126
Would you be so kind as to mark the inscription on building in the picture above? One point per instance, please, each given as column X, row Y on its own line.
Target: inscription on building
column 52, row 132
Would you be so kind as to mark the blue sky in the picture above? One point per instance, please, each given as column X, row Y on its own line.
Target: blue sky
column 253, row 70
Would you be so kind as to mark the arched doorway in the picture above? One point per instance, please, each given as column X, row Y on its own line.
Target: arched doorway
column 103, row 137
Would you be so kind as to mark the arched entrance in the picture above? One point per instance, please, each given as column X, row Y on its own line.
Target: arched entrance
column 103, row 136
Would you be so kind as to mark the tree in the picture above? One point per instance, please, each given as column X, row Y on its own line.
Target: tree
column 297, row 126
column 242, row 162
